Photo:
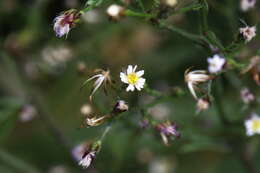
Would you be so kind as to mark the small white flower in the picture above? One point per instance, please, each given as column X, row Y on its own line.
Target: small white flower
column 103, row 77
column 87, row 159
column 248, row 32
column 253, row 125
column 245, row 5
column 133, row 78
column 216, row 63
column 193, row 78
column 115, row 11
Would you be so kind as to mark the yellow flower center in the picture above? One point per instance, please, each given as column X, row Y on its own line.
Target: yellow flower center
column 256, row 125
column 132, row 78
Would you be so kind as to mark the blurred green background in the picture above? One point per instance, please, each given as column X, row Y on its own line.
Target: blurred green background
column 41, row 75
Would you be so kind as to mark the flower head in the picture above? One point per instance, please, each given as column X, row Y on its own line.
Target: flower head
column 87, row 159
column 115, row 11
column 28, row 112
column 133, row 78
column 64, row 22
column 102, row 77
column 247, row 96
column 245, row 5
column 121, row 106
column 167, row 130
column 90, row 153
column 193, row 78
column 216, row 63
column 202, row 104
column 253, row 125
column 248, row 33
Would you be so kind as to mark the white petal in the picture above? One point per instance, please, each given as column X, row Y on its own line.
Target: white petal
column 190, row 86
column 130, row 69
column 134, row 68
column 140, row 73
column 123, row 77
column 130, row 88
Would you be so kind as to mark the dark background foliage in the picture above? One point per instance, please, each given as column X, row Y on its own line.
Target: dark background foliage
column 29, row 76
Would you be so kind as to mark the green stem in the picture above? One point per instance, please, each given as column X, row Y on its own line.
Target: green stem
column 190, row 36
column 137, row 14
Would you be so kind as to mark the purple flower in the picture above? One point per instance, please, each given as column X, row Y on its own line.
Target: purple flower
column 64, row 22
column 168, row 130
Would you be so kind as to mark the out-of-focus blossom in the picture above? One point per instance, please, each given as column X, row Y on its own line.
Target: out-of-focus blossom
column 64, row 22
column 216, row 63
column 81, row 67
column 121, row 106
column 144, row 123
column 202, row 104
column 247, row 96
column 167, row 130
column 27, row 113
column 115, row 11
column 252, row 125
column 86, row 109
column 254, row 68
column 248, row 33
column 161, row 165
column 58, row 169
column 193, row 78
column 159, row 112
column 134, row 79
column 245, row 5
column 102, row 78
column 92, row 17
column 170, row 3
column 55, row 56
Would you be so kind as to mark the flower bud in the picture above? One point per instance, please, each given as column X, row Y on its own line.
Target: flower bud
column 202, row 104
column 64, row 22
column 115, row 11
column 120, row 107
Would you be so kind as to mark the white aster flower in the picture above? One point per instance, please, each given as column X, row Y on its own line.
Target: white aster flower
column 87, row 159
column 103, row 77
column 216, row 63
column 193, row 78
column 248, row 32
column 245, row 5
column 133, row 78
column 253, row 125
column 115, row 11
